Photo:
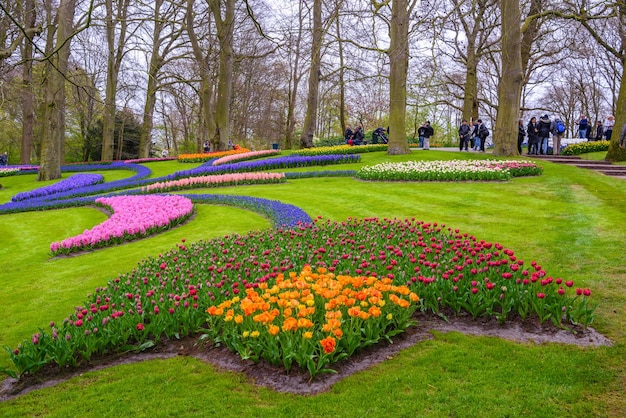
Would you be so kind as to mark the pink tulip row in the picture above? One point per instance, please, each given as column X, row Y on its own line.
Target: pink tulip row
column 133, row 216
column 245, row 156
column 229, row 179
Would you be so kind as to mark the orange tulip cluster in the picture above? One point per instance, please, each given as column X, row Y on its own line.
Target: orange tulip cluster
column 316, row 304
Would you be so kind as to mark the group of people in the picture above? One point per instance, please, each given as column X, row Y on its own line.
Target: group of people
column 473, row 135
column 424, row 133
column 601, row 130
column 356, row 136
column 206, row 147
column 4, row 159
column 539, row 132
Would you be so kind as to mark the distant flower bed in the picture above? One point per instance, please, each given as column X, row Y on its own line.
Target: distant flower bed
column 586, row 147
column 133, row 217
column 70, row 183
column 293, row 161
column 6, row 172
column 218, row 180
column 245, row 156
column 453, row 170
column 200, row 158
column 362, row 284
column 149, row 160
column 342, row 149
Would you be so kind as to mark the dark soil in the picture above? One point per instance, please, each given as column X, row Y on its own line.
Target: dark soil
column 298, row 381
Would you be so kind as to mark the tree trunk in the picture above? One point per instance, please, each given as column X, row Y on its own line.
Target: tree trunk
column 310, row 119
column 470, row 99
column 225, row 29
column 206, row 84
column 51, row 158
column 510, row 85
column 294, row 82
column 114, row 63
column 398, row 67
column 616, row 153
column 28, row 97
column 342, row 84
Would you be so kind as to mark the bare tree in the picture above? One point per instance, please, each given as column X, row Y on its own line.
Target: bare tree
column 224, row 16
column 510, row 86
column 398, row 67
column 56, row 69
column 165, row 35
column 117, row 35
column 310, row 119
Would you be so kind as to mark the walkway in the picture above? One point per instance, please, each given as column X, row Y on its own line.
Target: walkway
column 604, row 167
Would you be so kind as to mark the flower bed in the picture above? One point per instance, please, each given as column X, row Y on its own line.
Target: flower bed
column 453, row 170
column 134, row 217
column 268, row 164
column 200, row 158
column 219, row 180
column 73, row 182
column 312, row 319
column 166, row 296
column 245, row 156
column 6, row 172
column 149, row 160
column 586, row 147
column 341, row 149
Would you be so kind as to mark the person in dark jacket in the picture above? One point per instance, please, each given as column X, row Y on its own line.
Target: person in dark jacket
column 583, row 126
column 521, row 134
column 483, row 133
column 599, row 131
column 358, row 137
column 464, row 135
column 533, row 136
column 544, row 134
column 428, row 132
column 348, row 134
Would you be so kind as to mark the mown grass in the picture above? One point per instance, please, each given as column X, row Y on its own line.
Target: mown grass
column 569, row 220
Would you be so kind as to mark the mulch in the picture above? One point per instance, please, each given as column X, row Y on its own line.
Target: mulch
column 298, row 381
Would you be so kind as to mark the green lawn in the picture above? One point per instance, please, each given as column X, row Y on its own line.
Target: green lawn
column 571, row 221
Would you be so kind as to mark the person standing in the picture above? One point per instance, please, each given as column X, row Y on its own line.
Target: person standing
column 558, row 129
column 533, row 136
column 610, row 123
column 475, row 141
column 428, row 132
column 464, row 135
column 544, row 134
column 583, row 126
column 483, row 133
column 599, row 131
column 164, row 153
column 206, row 147
column 521, row 134
column 420, row 134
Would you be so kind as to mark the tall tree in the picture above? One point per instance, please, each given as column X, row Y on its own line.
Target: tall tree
column 164, row 37
column 203, row 56
column 116, row 23
column 224, row 16
column 398, row 52
column 510, row 86
column 55, row 74
column 310, row 118
column 28, row 97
